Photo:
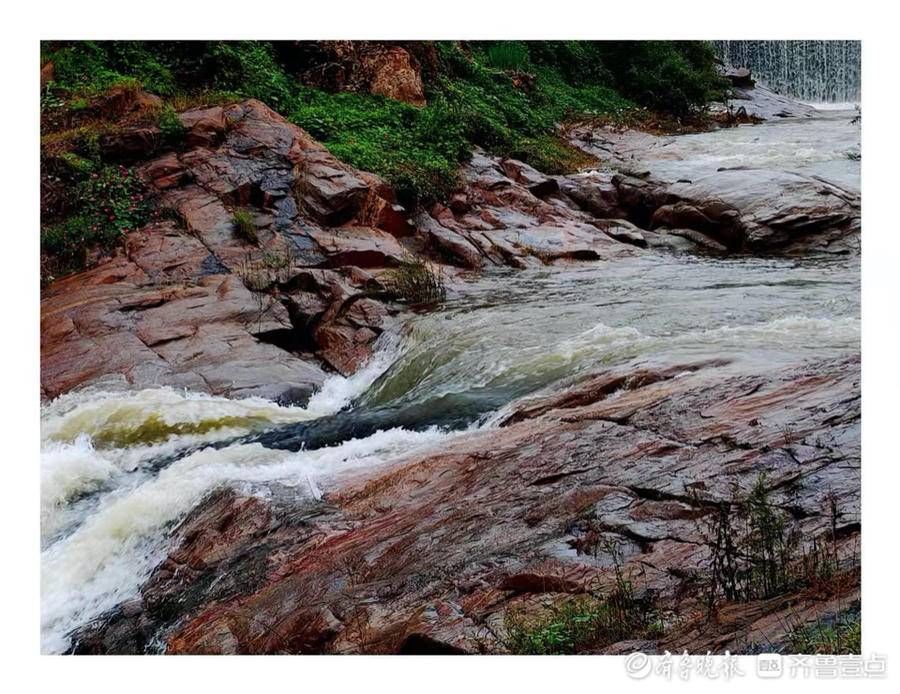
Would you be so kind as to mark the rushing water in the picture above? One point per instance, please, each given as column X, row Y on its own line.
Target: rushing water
column 827, row 146
column 817, row 71
column 116, row 474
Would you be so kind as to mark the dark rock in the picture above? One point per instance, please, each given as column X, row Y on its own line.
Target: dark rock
column 739, row 77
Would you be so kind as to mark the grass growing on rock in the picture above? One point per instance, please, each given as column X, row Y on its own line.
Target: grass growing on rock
column 757, row 552
column 582, row 624
column 838, row 635
column 244, row 226
column 416, row 282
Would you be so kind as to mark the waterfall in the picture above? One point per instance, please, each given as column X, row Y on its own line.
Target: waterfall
column 817, row 71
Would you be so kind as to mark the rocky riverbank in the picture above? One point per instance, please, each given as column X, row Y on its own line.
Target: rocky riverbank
column 188, row 303
column 437, row 552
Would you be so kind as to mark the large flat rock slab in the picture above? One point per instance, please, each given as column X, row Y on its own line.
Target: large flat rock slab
column 434, row 549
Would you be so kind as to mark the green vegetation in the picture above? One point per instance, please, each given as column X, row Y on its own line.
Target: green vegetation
column 507, row 55
column 583, row 624
column 110, row 202
column 840, row 635
column 416, row 282
column 244, row 226
column 507, row 97
column 170, row 126
column 756, row 553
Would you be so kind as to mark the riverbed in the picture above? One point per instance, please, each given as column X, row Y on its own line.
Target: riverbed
column 120, row 468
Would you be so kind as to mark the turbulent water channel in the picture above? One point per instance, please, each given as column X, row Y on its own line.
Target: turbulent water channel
column 120, row 468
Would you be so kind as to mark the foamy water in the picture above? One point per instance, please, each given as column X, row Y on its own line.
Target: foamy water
column 105, row 509
column 827, row 145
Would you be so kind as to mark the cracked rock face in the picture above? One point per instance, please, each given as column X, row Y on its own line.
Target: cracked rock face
column 189, row 304
column 429, row 555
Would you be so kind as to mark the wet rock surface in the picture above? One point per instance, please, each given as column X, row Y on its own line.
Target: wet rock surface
column 190, row 304
column 740, row 209
column 429, row 556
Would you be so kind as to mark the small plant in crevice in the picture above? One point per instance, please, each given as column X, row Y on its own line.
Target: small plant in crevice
column 170, row 126
column 263, row 274
column 244, row 226
column 416, row 282
column 586, row 623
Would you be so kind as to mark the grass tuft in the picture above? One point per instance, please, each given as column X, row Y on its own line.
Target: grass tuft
column 416, row 282
column 244, row 226
column 839, row 635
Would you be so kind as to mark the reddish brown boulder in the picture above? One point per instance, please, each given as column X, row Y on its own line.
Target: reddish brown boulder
column 393, row 75
column 359, row 246
column 205, row 127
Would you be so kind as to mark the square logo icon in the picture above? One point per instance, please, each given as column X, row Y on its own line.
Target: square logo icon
column 769, row 665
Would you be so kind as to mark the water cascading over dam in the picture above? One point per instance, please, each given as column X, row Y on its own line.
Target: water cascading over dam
column 816, row 71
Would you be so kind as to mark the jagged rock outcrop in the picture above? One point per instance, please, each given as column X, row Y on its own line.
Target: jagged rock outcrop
column 510, row 214
column 191, row 304
column 384, row 68
column 430, row 555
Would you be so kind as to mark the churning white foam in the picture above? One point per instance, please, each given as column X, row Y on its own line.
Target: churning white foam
column 106, row 559
column 97, row 554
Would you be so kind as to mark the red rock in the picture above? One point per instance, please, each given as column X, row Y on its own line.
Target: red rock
column 393, row 75
column 205, row 127
column 352, row 579
column 359, row 246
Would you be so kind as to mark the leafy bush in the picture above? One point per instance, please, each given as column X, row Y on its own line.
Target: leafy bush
column 676, row 77
column 170, row 126
column 91, row 67
column 111, row 203
column 250, row 68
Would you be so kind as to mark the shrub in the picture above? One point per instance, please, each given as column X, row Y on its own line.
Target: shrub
column 756, row 552
column 170, row 126
column 244, row 226
column 677, row 77
column 416, row 282
column 250, row 68
column 111, row 202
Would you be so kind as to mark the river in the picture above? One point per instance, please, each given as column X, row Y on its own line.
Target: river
column 120, row 468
